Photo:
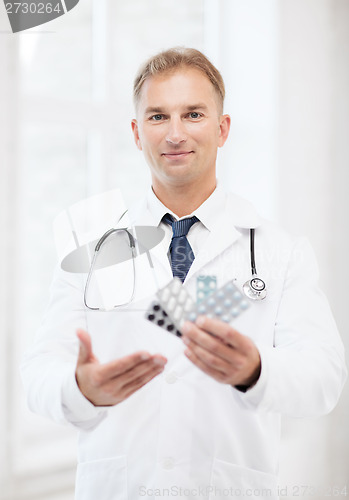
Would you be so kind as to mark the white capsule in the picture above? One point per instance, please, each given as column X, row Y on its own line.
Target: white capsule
column 182, row 296
column 177, row 313
column 176, row 286
column 165, row 295
column 243, row 305
column 171, row 304
column 188, row 304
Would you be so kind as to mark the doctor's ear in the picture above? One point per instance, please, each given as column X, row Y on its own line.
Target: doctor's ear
column 135, row 131
column 224, row 127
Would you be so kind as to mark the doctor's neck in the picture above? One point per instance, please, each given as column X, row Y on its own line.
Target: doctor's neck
column 183, row 199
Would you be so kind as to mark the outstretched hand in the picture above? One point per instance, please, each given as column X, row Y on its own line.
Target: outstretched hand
column 222, row 352
column 110, row 383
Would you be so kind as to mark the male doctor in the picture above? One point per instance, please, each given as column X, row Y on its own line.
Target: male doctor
column 196, row 417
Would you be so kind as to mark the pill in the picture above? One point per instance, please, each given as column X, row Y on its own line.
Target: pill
column 188, row 306
column 237, row 295
column 171, row 304
column 165, row 294
column 202, row 309
column 177, row 313
column 192, row 316
column 176, row 286
column 182, row 296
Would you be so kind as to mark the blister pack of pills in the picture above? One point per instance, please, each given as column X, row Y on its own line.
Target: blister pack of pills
column 226, row 304
column 175, row 305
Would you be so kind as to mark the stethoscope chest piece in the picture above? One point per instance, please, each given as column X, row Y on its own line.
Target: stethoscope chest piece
column 255, row 288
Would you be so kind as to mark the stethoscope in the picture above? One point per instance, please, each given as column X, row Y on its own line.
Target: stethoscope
column 255, row 288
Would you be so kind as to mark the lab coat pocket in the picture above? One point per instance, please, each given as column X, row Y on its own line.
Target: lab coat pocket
column 103, row 479
column 237, row 482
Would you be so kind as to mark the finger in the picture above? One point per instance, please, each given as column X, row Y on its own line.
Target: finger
column 224, row 331
column 122, row 365
column 210, row 359
column 142, row 381
column 85, row 350
column 193, row 334
column 216, row 374
column 140, row 371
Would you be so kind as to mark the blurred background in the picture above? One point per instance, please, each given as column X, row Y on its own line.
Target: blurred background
column 66, row 106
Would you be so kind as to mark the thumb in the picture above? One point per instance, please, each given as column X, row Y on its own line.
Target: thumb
column 85, row 351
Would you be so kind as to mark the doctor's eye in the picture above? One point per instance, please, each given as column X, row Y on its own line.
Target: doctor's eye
column 156, row 118
column 195, row 115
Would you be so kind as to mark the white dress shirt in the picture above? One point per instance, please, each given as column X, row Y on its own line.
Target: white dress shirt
column 207, row 214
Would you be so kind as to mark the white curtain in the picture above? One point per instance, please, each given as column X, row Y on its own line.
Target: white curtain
column 65, row 100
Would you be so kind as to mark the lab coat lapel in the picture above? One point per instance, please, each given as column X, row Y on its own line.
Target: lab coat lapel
column 238, row 214
column 222, row 236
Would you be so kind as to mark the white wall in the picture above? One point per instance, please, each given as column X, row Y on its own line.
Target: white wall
column 313, row 186
column 287, row 75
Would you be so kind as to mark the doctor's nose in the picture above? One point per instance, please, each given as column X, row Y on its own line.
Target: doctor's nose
column 176, row 133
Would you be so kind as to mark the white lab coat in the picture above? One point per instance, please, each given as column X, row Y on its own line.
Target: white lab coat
column 184, row 435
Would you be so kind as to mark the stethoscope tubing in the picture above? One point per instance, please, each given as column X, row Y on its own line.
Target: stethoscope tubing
column 254, row 288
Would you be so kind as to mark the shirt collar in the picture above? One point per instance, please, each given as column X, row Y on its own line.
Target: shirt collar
column 206, row 213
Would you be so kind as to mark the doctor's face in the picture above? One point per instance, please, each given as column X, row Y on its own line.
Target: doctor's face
column 179, row 128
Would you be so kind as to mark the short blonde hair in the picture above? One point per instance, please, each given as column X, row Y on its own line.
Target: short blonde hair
column 176, row 58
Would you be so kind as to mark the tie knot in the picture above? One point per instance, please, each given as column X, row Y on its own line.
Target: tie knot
column 180, row 227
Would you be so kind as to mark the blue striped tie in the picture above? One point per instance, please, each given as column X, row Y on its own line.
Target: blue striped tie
column 182, row 255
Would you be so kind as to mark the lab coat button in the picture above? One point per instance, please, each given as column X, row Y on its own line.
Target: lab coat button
column 168, row 463
column 171, row 378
